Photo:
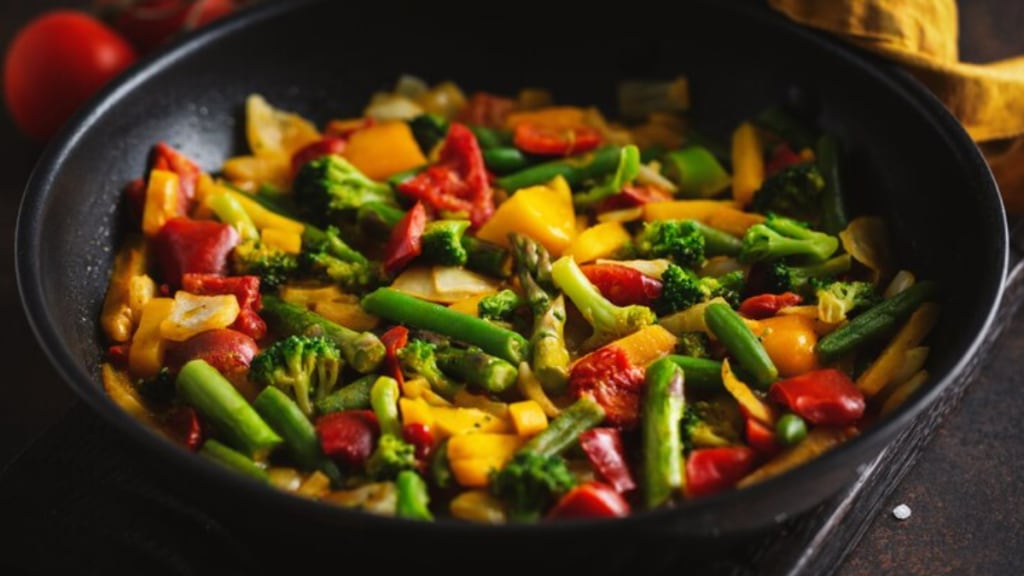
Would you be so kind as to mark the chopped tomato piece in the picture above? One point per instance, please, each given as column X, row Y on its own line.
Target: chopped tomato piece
column 712, row 470
column 622, row 285
column 591, row 500
column 767, row 305
column 548, row 141
column 608, row 376
column 826, row 397
column 348, row 436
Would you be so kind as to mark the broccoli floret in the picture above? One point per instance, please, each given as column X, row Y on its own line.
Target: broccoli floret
column 351, row 276
column 779, row 237
column 157, row 390
column 302, row 366
column 499, row 306
column 682, row 288
column 794, row 191
column 442, row 242
column 838, row 300
column 607, row 320
column 391, row 456
column 679, row 240
column 274, row 266
column 693, row 344
column 803, row 280
column 330, row 184
column 530, row 483
column 420, row 357
column 711, row 423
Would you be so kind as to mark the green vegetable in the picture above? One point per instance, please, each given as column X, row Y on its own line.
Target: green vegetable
column 231, row 212
column 478, row 369
column 782, row 277
column 794, row 191
column 350, row 276
column 680, row 240
column 487, row 257
column 790, row 429
column 505, row 159
column 376, row 219
column 682, row 288
column 696, row 172
column 288, row 420
column 440, row 470
column 663, row 405
column 550, row 357
column 780, row 121
column 607, row 320
column 876, row 322
column 352, row 396
column 833, row 212
column 703, row 375
column 399, row 307
column 530, row 483
column 779, row 237
column 390, row 458
column 232, row 459
column 420, row 357
column 693, row 345
column 489, row 138
column 363, row 351
column 838, row 300
column 564, row 430
column 330, row 242
column 384, row 401
column 329, row 185
column 717, row 242
column 224, row 409
column 711, row 423
column 413, row 499
column 273, row 266
column 741, row 343
column 306, row 367
column 625, row 172
column 499, row 306
column 429, row 130
column 442, row 242
column 575, row 170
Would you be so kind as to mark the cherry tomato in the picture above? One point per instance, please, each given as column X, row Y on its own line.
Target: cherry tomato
column 57, row 62
column 148, row 24
column 348, row 436
column 551, row 142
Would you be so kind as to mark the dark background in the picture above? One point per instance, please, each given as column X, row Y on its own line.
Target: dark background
column 964, row 493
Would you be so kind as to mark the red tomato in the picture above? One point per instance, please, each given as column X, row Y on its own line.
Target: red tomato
column 551, row 142
column 766, row 305
column 591, row 500
column 711, row 470
column 622, row 285
column 607, row 375
column 57, row 62
column 148, row 24
column 420, row 436
column 226, row 350
column 348, row 436
column 182, row 423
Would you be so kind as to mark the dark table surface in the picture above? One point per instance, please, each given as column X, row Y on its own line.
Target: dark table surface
column 964, row 492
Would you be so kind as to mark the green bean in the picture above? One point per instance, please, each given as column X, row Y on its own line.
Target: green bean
column 565, row 429
column 833, row 213
column 233, row 459
column 352, row 396
column 288, row 420
column 575, row 170
column 663, row 405
column 505, row 159
column 736, row 336
column 702, row 374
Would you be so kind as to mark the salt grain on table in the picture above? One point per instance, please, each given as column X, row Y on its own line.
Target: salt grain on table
column 901, row 512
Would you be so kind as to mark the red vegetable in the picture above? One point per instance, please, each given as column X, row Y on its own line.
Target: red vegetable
column 486, row 109
column 782, row 157
column 711, row 470
column 546, row 141
column 405, row 243
column 246, row 290
column 325, row 146
column 420, row 436
column 348, row 436
column 183, row 425
column 167, row 158
column 603, row 447
column 622, row 285
column 768, row 305
column 591, row 500
column 761, row 438
column 634, row 195
column 226, row 350
column 184, row 245
column 55, row 63
column 148, row 24
column 394, row 339
column 458, row 181
column 608, row 376
column 825, row 397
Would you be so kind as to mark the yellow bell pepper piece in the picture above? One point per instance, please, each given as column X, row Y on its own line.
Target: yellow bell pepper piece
column 419, row 388
column 474, row 473
column 528, row 417
column 747, row 163
column 531, row 388
column 499, row 447
column 646, row 344
column 316, row 485
column 349, row 314
column 384, row 149
column 191, row 314
column 262, row 217
column 477, row 506
column 119, row 388
column 818, row 441
column 544, row 213
column 881, row 371
column 146, row 353
column 416, row 411
column 452, row 421
column 598, row 241
column 284, row 240
column 902, row 391
column 722, row 214
column 248, row 172
column 470, row 305
column 161, row 202
column 310, row 296
column 120, row 314
column 273, row 132
column 552, row 117
column 751, row 404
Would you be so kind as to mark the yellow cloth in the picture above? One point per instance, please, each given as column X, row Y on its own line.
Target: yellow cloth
column 921, row 35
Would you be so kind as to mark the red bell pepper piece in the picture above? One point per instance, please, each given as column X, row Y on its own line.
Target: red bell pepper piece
column 167, row 158
column 183, row 424
column 712, row 470
column 591, row 500
column 603, row 447
column 768, row 305
column 325, row 146
column 826, row 397
column 246, row 290
column 782, row 157
column 622, row 285
column 761, row 438
column 544, row 141
column 229, row 351
column 394, row 339
column 607, row 375
column 184, row 245
column 633, row 195
column 348, row 436
column 405, row 242
column 458, row 182
column 421, row 437
column 486, row 109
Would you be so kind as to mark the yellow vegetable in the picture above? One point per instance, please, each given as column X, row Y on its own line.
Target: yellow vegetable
column 419, row 388
column 349, row 314
column 725, row 215
column 416, row 411
column 866, row 238
column 311, row 296
column 477, row 506
column 146, row 353
column 751, row 404
column 882, row 370
column 119, row 387
column 384, row 149
column 161, row 202
column 191, row 314
column 598, row 241
column 273, row 132
column 689, row 320
column 316, row 485
column 733, row 220
column 747, row 163
column 499, row 447
column 469, row 400
column 552, row 117
column 284, row 240
column 903, row 391
column 474, row 473
column 818, row 441
column 469, row 305
column 530, row 387
column 262, row 217
column 789, row 341
column 452, row 421
column 121, row 310
column 646, row 344
column 249, row 172
column 544, row 213
column 528, row 417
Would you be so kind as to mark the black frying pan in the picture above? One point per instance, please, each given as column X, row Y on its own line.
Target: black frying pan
column 909, row 161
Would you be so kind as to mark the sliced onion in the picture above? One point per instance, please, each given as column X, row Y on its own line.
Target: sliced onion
column 866, row 238
column 650, row 175
column 454, row 283
column 653, row 268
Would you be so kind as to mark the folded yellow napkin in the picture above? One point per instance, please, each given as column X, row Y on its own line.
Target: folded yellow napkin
column 921, row 35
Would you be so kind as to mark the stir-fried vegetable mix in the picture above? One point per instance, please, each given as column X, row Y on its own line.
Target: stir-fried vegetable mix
column 505, row 309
